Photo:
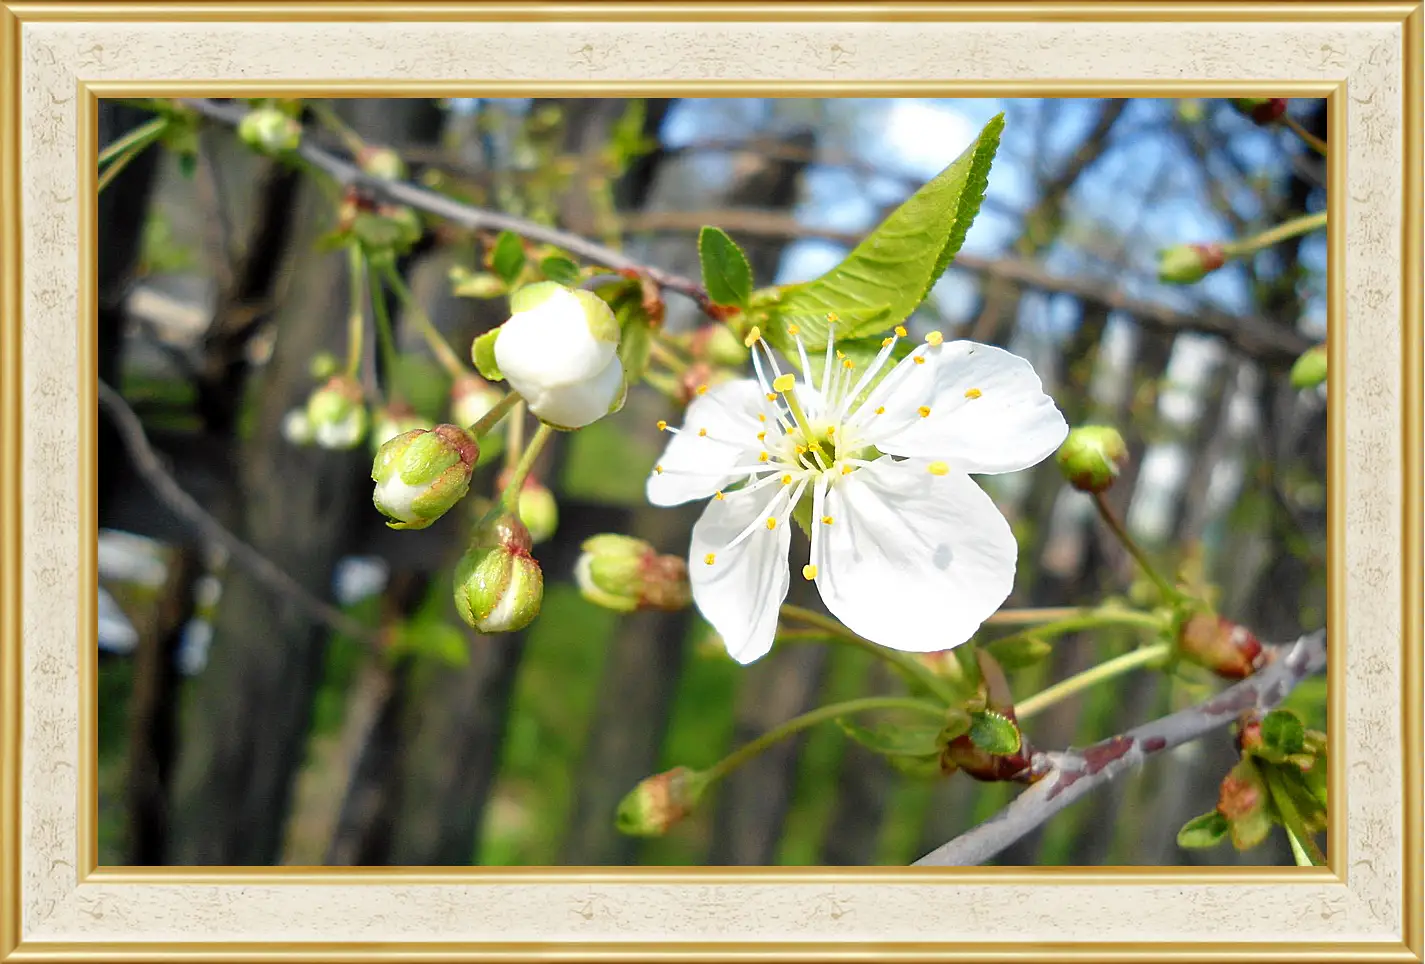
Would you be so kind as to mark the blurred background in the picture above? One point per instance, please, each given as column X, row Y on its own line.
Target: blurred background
column 234, row 730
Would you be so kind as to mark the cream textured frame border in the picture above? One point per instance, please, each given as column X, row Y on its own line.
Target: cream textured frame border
column 54, row 904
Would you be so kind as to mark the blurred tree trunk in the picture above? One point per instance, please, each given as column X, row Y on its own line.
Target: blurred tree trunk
column 245, row 731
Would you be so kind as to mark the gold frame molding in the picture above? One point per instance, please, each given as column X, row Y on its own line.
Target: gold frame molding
column 13, row 17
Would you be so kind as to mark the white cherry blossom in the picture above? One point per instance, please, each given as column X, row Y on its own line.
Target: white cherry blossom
column 906, row 549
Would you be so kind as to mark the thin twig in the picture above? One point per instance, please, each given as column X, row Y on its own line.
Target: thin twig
column 183, row 505
column 1063, row 778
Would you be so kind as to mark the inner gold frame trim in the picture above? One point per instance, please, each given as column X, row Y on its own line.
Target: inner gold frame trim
column 13, row 15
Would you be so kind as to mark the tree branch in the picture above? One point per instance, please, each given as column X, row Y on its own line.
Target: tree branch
column 1065, row 777
column 183, row 505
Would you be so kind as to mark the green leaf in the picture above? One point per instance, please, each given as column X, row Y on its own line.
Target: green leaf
column 889, row 739
column 994, row 733
column 482, row 352
column 1283, row 732
column 508, row 257
column 889, row 274
column 1207, row 830
column 634, row 347
column 726, row 273
column 1019, row 652
column 561, row 269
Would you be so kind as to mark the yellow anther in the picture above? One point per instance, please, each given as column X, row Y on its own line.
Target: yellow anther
column 826, row 520
column 886, row 341
column 880, row 409
column 841, row 354
column 934, row 338
column 787, row 479
column 702, row 389
column 761, row 418
column 710, row 558
column 920, row 359
column 761, row 436
column 720, row 497
column 771, row 523
column 808, row 572
column 702, row 432
column 939, row 468
column 973, row 393
column 924, row 411
column 784, row 383
column 793, row 330
column 830, row 430
column 832, row 317
column 801, row 450
column 662, row 425
column 658, row 469
column 849, row 364
column 754, row 335
column 846, row 470
column 771, row 397
column 762, row 457
column 900, row 331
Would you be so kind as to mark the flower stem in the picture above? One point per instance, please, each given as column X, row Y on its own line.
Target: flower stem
column 444, row 354
column 1081, row 619
column 822, row 713
column 514, row 438
column 510, row 500
column 1117, row 666
column 490, row 419
column 1169, row 593
column 1291, row 820
column 1308, row 138
column 355, row 327
column 1283, row 231
column 139, row 137
column 1019, row 617
column 907, row 665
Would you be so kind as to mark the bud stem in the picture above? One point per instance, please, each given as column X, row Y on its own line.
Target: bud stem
column 1117, row 666
column 1308, row 138
column 907, row 665
column 510, row 499
column 328, row 118
column 444, row 354
column 384, row 334
column 1083, row 619
column 1019, row 617
column 666, row 355
column 514, row 437
column 490, row 419
column 139, row 137
column 1106, row 513
column 819, row 715
column 1283, row 231
column 1291, row 820
column 355, row 318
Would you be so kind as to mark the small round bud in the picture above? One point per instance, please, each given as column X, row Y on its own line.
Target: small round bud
column 395, row 419
column 420, row 474
column 1091, row 457
column 297, row 428
column 660, row 802
column 718, row 345
column 1263, row 110
column 538, row 511
column 470, row 398
column 337, row 413
column 323, row 366
column 381, row 162
column 1228, row 649
column 1310, row 369
column 498, row 586
column 559, row 350
column 626, row 574
column 1185, row 264
column 270, row 131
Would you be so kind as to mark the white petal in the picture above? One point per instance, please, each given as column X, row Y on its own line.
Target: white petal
column 988, row 411
column 913, row 561
column 741, row 592
column 579, row 404
column 550, row 345
column 696, row 466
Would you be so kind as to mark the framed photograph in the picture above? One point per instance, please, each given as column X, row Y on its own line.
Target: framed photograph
column 711, row 481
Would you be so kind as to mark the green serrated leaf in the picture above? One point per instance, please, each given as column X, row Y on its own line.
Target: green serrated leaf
column 508, row 258
column 482, row 353
column 561, row 269
column 994, row 733
column 890, row 739
column 1208, row 830
column 1019, row 652
column 1283, row 732
column 895, row 267
column 726, row 272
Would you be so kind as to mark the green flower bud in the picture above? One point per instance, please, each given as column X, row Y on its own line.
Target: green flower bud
column 1243, row 799
column 323, row 366
column 538, row 511
column 382, row 162
column 1091, row 457
column 419, row 475
column 270, row 131
column 657, row 804
column 1228, row 649
column 393, row 420
column 718, row 345
column 1263, row 110
column 1310, row 369
column 498, row 585
column 1185, row 264
column 626, row 574
column 337, row 413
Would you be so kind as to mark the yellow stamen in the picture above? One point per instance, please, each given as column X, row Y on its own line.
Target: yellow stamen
column 754, row 335
column 662, row 425
column 771, row 397
column 900, row 331
column 771, row 523
column 702, row 389
column 761, row 417
column 886, row 341
column 880, row 409
column 841, row 354
column 973, row 393
column 920, row 359
column 826, row 520
column 762, row 457
column 846, row 470
column 793, row 330
column 848, row 364
column 939, row 468
column 808, row 572
column 934, row 338
column 720, row 497
column 787, row 479
column 801, row 450
column 658, row 469
column 702, row 432
column 830, row 430
column 924, row 411
column 710, row 558
column 784, row 383
column 761, row 436
column 832, row 317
